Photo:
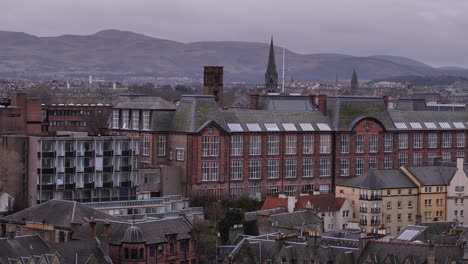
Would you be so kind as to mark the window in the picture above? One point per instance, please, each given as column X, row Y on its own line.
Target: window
column 430, row 158
column 446, row 140
column 460, row 154
column 439, row 189
column 344, row 167
column 460, row 140
column 273, row 145
column 446, row 156
column 180, row 154
column 273, row 169
column 146, row 120
column 308, row 144
column 410, row 204
column 236, row 169
column 325, row 167
column 255, row 145
column 290, row 168
column 360, row 143
column 432, row 141
column 237, row 143
column 115, row 118
column 389, row 217
column 359, row 166
column 255, row 169
column 255, row 193
column 135, row 119
column 403, row 141
column 399, row 217
column 373, row 143
column 373, row 163
column 388, row 163
column 427, row 202
column 388, row 143
column 344, row 143
column 125, row 119
column 307, row 168
column 439, row 202
column 210, row 171
column 162, row 146
column 171, row 248
column 290, row 190
column 291, row 144
column 410, row 217
column 427, row 215
column 402, row 159
column 399, row 204
column 399, row 191
column 210, row 146
column 325, row 188
column 417, row 141
column 459, row 188
column 428, row 189
column 160, row 250
column 325, row 144
column 235, row 193
column 308, row 189
column 417, row 159
column 389, row 205
column 410, row 191
column 272, row 191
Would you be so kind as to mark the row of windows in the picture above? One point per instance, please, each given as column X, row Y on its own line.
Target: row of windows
column 290, row 168
column 273, row 144
column 257, row 192
column 131, row 119
column 67, row 123
column 403, row 142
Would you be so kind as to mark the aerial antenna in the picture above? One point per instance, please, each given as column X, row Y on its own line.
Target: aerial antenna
column 282, row 90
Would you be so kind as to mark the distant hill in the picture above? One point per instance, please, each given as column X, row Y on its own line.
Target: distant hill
column 117, row 54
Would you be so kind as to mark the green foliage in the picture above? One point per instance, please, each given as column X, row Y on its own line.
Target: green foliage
column 232, row 217
column 250, row 228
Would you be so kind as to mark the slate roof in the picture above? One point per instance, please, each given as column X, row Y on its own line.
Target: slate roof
column 162, row 120
column 397, row 253
column 345, row 111
column 295, row 219
column 154, row 231
column 83, row 250
column 146, row 103
column 285, row 103
column 380, row 179
column 196, row 111
column 433, row 175
column 23, row 246
column 58, row 213
column 435, row 117
column 411, row 104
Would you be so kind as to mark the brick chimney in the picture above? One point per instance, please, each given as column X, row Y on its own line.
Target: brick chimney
column 213, row 83
column 385, row 100
column 92, row 227
column 11, row 230
column 322, row 103
column 254, row 97
column 107, row 227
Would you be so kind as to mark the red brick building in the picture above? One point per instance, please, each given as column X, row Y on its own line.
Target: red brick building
column 285, row 143
column 20, row 115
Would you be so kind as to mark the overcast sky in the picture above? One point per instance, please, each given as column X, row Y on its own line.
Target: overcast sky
column 433, row 31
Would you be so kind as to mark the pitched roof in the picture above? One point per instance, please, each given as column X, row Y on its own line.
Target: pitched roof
column 320, row 202
column 285, row 102
column 154, row 231
column 58, row 213
column 295, row 219
column 433, row 175
column 146, row 103
column 81, row 251
column 434, row 117
column 23, row 246
column 273, row 202
column 380, row 179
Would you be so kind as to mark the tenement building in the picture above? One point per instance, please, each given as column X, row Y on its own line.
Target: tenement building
column 284, row 143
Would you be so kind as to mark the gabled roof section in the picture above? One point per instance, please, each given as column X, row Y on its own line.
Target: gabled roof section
column 381, row 179
column 146, row 103
column 433, row 175
column 345, row 111
column 81, row 251
column 23, row 246
column 58, row 213
column 196, row 110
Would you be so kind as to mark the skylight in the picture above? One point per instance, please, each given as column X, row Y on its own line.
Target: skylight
column 289, row 127
column 430, row 125
column 306, row 127
column 235, row 127
column 401, row 126
column 323, row 127
column 271, row 127
column 253, row 127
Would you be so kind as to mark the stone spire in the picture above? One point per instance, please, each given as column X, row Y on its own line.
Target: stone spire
column 271, row 75
column 354, row 83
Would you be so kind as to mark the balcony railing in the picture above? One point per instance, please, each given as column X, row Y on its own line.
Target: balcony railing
column 363, row 209
column 375, row 210
column 375, row 222
column 370, row 197
column 363, row 222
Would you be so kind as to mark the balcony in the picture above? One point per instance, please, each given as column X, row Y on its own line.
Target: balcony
column 70, row 170
column 108, row 153
column 375, row 222
column 363, row 222
column 70, row 154
column 46, row 154
column 46, row 171
column 89, row 154
column 89, row 185
column 375, row 210
column 107, row 169
column 126, row 153
column 89, row 169
column 363, row 209
column 126, row 168
column 370, row 197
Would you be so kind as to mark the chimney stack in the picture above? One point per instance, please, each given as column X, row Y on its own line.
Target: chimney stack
column 11, row 230
column 107, row 227
column 385, row 100
column 92, row 226
column 213, row 83
column 322, row 103
column 254, row 97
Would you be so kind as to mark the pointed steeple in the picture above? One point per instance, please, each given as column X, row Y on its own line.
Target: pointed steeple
column 354, row 83
column 271, row 75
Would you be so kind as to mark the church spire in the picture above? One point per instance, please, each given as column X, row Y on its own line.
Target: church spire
column 354, row 83
column 271, row 75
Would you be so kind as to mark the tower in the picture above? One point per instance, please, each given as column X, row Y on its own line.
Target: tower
column 213, row 83
column 271, row 75
column 354, row 83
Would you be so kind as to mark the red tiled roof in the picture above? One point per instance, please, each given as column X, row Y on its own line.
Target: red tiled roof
column 320, row 202
column 272, row 202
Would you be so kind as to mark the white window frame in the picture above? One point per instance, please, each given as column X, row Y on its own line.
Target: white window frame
column 461, row 140
column 237, row 145
column 402, row 159
column 360, row 143
column 161, row 145
column 360, row 166
column 402, row 141
column 237, row 169
column 146, row 120
column 273, row 169
column 417, row 159
column 180, row 154
column 344, row 143
column 308, row 144
column 255, row 145
column 418, row 141
column 325, row 167
column 273, row 144
column 388, row 143
column 325, row 144
column 373, row 143
column 446, row 140
column 344, row 167
column 291, row 144
column 307, row 168
column 255, row 169
column 432, row 140
column 290, row 168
